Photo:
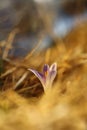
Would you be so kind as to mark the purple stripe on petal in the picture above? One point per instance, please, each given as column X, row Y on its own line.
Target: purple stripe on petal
column 45, row 68
column 53, row 71
column 38, row 74
column 52, row 75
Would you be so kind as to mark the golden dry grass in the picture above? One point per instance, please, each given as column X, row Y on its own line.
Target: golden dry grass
column 23, row 104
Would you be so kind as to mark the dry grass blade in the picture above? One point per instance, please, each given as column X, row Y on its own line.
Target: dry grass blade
column 9, row 43
column 8, row 72
column 20, row 80
column 28, row 88
column 16, row 64
column 35, row 48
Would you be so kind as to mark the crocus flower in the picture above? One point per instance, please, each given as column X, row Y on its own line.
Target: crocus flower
column 47, row 76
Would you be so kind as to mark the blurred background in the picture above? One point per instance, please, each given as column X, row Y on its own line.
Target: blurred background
column 26, row 22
